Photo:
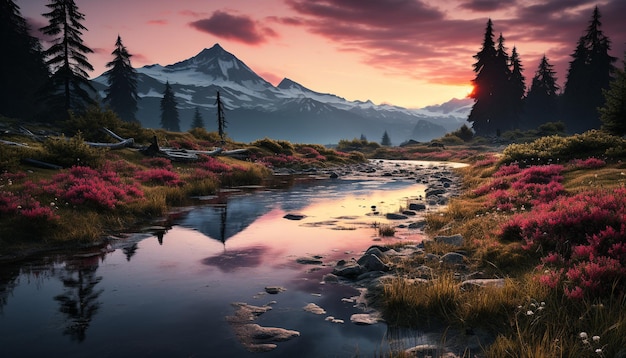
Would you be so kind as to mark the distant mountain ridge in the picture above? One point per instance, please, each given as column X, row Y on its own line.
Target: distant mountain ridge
column 256, row 109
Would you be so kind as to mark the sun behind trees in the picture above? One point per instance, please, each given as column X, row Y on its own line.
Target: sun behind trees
column 502, row 104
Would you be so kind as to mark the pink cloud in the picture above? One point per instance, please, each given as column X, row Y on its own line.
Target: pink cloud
column 234, row 27
column 158, row 22
column 411, row 38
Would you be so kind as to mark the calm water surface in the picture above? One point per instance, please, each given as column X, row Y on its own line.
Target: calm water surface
column 168, row 295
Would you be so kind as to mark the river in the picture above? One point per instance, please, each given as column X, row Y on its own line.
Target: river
column 169, row 291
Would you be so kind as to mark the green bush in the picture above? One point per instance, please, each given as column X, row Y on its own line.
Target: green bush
column 275, row 146
column 72, row 151
column 355, row 144
column 555, row 148
column 91, row 122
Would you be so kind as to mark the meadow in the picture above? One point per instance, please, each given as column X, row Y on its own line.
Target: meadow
column 548, row 217
column 546, row 214
column 102, row 191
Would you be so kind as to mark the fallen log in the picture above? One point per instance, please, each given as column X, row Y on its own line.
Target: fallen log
column 8, row 142
column 40, row 164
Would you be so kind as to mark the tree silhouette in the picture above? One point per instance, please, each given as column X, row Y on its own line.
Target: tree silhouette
column 121, row 95
column 386, row 141
column 517, row 86
column 79, row 301
column 613, row 113
column 541, row 104
column 197, row 121
column 589, row 73
column 67, row 55
column 221, row 120
column 482, row 113
column 23, row 71
column 169, row 112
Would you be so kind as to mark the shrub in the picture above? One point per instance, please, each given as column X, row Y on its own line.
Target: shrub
column 83, row 185
column 158, row 162
column 275, row 146
column 581, row 241
column 555, row 148
column 72, row 151
column 589, row 163
column 159, row 176
column 214, row 165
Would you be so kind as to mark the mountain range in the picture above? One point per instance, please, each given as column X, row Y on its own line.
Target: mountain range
column 256, row 109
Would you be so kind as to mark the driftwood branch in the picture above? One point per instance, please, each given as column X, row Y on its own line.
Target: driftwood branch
column 188, row 155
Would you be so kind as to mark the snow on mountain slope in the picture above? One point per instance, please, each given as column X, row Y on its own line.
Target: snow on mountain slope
column 252, row 100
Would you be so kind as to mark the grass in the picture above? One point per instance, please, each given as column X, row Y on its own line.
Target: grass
column 526, row 317
column 115, row 189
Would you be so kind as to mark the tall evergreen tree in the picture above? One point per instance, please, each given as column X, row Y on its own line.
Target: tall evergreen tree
column 480, row 117
column 386, row 141
column 613, row 113
column 121, row 95
column 541, row 104
column 517, row 84
column 169, row 111
column 490, row 112
column 67, row 55
column 23, row 72
column 221, row 118
column 197, row 121
column 589, row 73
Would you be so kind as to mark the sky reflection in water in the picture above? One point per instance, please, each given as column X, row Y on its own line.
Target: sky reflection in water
column 170, row 298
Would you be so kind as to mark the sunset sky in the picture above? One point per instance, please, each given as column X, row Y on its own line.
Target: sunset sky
column 410, row 53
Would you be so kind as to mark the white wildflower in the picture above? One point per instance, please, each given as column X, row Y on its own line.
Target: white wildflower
column 583, row 335
column 530, row 313
column 596, row 339
column 599, row 350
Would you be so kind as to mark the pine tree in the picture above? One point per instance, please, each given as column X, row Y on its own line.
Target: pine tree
column 589, row 73
column 197, row 121
column 489, row 113
column 541, row 104
column 613, row 113
column 517, row 84
column 169, row 112
column 386, row 141
column 67, row 56
column 23, row 72
column 121, row 95
column 221, row 118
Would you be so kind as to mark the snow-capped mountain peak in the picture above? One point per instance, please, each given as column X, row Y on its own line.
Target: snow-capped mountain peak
column 290, row 111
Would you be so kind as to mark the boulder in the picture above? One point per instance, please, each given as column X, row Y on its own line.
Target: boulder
column 330, row 278
column 417, row 206
column 315, row 309
column 273, row 290
column 484, row 282
column 452, row 258
column 392, row 216
column 371, row 262
column 262, row 339
column 454, row 240
column 365, row 318
column 309, row 261
column 352, row 270
column 294, row 217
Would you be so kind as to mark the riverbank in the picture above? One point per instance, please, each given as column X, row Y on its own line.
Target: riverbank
column 526, row 262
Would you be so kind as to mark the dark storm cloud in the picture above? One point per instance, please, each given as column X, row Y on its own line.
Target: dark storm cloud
column 234, row 27
column 415, row 39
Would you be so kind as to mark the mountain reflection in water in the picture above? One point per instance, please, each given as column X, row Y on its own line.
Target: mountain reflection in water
column 166, row 293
